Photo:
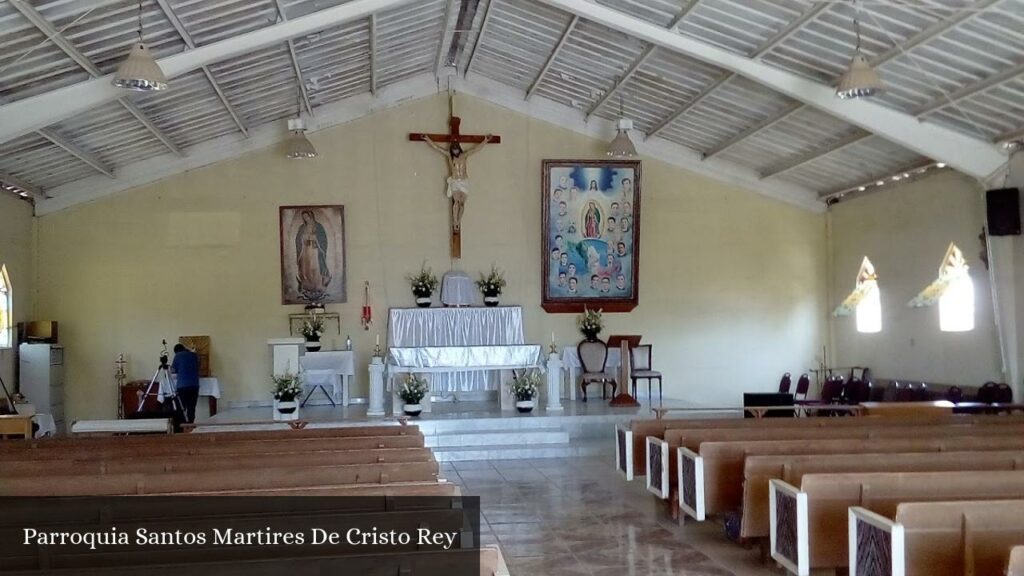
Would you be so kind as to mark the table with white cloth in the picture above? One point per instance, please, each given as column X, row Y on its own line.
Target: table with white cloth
column 571, row 364
column 436, row 328
column 444, row 360
column 209, row 387
column 334, row 369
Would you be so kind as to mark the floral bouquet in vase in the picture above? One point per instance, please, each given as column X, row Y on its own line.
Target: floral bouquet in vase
column 313, row 330
column 423, row 285
column 590, row 323
column 287, row 389
column 491, row 286
column 524, row 389
column 412, row 392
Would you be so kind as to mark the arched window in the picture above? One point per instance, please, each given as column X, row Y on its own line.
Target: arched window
column 865, row 301
column 953, row 291
column 6, row 314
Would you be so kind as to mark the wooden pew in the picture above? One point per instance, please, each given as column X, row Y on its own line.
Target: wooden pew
column 760, row 470
column 129, row 463
column 268, row 447
column 1015, row 566
column 662, row 454
column 631, row 439
column 217, row 480
column 819, row 507
column 936, row 538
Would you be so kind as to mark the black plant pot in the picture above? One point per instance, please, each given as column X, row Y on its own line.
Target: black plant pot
column 491, row 300
column 590, row 336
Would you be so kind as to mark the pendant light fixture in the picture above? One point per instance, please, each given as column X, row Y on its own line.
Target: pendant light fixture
column 860, row 79
column 139, row 71
column 298, row 147
column 621, row 146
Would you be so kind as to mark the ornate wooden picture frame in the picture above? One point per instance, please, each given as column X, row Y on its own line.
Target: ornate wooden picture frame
column 590, row 235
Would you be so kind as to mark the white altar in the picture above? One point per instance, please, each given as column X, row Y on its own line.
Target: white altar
column 458, row 348
column 330, row 372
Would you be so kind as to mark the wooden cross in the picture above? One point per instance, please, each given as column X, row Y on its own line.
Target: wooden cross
column 453, row 136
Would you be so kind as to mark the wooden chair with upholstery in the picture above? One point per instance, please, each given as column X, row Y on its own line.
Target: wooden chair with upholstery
column 785, row 383
column 641, row 368
column 803, row 386
column 988, row 393
column 594, row 360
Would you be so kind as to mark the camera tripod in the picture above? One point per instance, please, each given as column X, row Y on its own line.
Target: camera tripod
column 161, row 381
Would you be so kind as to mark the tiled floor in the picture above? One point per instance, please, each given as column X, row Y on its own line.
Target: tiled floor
column 577, row 516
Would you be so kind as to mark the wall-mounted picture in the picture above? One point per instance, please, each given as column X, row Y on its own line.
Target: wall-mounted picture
column 591, row 235
column 313, row 255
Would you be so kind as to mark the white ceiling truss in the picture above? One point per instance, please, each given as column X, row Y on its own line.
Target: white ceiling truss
column 740, row 90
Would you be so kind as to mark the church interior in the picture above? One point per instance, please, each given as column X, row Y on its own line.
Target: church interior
column 374, row 251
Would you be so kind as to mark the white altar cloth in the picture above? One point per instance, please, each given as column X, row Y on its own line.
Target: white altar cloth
column 207, row 387
column 469, row 358
column 444, row 327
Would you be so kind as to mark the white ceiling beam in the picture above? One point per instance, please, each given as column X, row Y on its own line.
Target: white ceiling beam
column 449, row 8
column 788, row 164
column 921, row 37
column 76, row 151
column 971, row 156
column 551, row 59
column 72, row 51
column 774, row 41
column 1010, row 136
column 422, row 86
column 871, row 185
column 373, row 54
column 639, row 62
column 774, row 119
column 30, row 114
column 479, row 37
column 186, row 37
column 303, row 93
column 31, row 189
column 969, row 90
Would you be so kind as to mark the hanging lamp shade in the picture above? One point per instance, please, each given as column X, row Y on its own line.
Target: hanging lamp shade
column 298, row 147
column 139, row 71
column 621, row 146
column 860, row 79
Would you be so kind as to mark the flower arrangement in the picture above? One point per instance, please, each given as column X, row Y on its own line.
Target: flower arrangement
column 413, row 389
column 525, row 387
column 493, row 283
column 287, row 387
column 424, row 283
column 590, row 322
column 313, row 327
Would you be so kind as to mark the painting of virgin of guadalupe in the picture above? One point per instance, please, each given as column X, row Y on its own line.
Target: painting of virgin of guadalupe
column 591, row 236
column 313, row 254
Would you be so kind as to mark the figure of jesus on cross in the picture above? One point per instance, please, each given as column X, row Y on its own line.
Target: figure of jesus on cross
column 458, row 174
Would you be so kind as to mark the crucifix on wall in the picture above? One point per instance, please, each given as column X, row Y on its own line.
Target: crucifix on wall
column 458, row 174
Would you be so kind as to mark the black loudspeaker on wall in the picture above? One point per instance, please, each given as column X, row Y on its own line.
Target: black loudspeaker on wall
column 1003, row 212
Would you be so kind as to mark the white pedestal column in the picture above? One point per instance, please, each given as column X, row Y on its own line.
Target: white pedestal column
column 554, row 403
column 376, row 407
column 285, row 353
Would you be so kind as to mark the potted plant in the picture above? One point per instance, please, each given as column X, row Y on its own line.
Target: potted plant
column 413, row 390
column 423, row 286
column 524, row 390
column 491, row 286
column 287, row 389
column 590, row 324
column 312, row 330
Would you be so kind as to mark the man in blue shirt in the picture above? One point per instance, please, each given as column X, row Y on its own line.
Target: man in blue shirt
column 186, row 367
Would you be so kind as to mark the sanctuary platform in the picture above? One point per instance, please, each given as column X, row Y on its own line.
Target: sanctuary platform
column 479, row 430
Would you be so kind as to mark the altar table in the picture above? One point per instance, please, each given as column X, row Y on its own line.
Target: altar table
column 334, row 369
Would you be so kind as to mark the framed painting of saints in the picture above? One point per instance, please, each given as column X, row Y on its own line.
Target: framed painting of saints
column 313, row 255
column 591, row 235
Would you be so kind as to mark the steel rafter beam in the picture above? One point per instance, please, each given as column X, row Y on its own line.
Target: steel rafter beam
column 921, row 37
column 797, row 161
column 187, row 38
column 373, row 54
column 774, row 41
column 639, row 62
column 480, row 36
column 72, row 51
column 978, row 158
column 295, row 63
column 446, row 26
column 779, row 116
column 30, row 189
column 74, row 150
column 35, row 112
column 551, row 59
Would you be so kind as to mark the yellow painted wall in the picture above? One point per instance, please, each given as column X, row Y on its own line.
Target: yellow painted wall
column 16, row 233
column 905, row 231
column 732, row 284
